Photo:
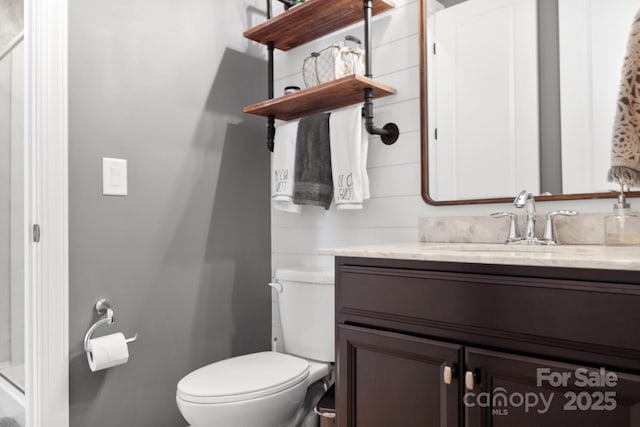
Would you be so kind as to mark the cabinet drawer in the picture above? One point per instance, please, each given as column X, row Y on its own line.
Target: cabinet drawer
column 573, row 314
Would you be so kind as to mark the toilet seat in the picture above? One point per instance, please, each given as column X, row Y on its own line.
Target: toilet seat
column 243, row 378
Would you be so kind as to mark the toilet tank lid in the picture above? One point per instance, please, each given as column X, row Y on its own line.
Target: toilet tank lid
column 306, row 275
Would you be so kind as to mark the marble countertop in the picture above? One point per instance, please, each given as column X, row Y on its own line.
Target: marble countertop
column 575, row 256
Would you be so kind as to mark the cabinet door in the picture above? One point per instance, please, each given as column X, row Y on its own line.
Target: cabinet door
column 387, row 379
column 505, row 390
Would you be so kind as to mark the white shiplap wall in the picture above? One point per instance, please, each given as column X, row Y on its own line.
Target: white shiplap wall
column 391, row 215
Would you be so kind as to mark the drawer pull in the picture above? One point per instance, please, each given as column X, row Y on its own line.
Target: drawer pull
column 447, row 375
column 469, row 380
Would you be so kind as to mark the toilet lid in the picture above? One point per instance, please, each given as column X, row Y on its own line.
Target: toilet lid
column 243, row 378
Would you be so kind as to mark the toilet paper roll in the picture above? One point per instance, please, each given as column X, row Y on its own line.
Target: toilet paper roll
column 107, row 352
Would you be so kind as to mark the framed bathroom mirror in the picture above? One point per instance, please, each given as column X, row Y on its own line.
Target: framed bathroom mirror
column 519, row 94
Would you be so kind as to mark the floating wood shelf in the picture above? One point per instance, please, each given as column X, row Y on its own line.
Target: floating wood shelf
column 324, row 97
column 311, row 20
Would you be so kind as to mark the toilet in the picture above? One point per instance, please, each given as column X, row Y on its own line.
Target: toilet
column 268, row 389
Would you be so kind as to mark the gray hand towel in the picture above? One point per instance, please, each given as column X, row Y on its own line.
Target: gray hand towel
column 625, row 155
column 313, row 184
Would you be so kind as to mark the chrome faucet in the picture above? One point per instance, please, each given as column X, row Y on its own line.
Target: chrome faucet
column 525, row 199
column 522, row 200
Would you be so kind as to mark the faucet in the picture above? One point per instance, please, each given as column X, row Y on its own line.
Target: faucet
column 522, row 200
column 525, row 199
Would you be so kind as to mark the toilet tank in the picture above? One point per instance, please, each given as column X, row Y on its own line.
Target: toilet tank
column 306, row 305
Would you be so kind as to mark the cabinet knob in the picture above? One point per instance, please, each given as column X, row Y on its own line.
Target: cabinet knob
column 469, row 380
column 447, row 375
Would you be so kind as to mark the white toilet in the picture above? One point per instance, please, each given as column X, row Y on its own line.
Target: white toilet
column 268, row 389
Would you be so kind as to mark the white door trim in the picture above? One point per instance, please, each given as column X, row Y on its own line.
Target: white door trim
column 46, row 182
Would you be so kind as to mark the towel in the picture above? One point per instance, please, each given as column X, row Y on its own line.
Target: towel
column 625, row 156
column 284, row 158
column 313, row 183
column 349, row 150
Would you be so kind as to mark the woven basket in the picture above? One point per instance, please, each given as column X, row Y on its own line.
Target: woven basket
column 334, row 62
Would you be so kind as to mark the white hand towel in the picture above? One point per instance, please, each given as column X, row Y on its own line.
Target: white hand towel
column 349, row 150
column 284, row 160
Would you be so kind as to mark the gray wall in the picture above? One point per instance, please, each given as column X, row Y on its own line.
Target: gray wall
column 184, row 258
column 550, row 117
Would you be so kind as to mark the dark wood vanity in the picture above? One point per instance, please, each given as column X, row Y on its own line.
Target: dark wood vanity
column 403, row 326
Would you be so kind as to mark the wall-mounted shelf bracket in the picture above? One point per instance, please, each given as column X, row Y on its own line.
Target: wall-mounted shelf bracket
column 287, row 3
column 271, row 132
column 271, row 120
column 389, row 132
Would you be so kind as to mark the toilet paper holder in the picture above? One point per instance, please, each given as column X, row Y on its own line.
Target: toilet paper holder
column 103, row 308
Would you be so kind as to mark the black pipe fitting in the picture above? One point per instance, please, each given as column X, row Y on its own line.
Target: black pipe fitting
column 389, row 132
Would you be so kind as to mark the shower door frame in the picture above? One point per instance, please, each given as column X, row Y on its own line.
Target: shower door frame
column 46, row 188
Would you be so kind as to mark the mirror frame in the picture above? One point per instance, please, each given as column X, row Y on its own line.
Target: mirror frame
column 424, row 142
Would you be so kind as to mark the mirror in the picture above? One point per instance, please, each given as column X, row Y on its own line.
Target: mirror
column 520, row 94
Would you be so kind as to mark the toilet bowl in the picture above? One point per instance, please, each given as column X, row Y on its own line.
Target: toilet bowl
column 268, row 389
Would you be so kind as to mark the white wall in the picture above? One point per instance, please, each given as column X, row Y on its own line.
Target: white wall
column 17, row 206
column 5, row 207
column 11, row 208
column 593, row 36
column 11, row 20
column 393, row 211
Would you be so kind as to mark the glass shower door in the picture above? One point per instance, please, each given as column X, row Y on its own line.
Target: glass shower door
column 12, row 234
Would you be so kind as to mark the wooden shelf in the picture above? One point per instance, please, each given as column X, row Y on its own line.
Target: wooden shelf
column 324, row 97
column 311, row 20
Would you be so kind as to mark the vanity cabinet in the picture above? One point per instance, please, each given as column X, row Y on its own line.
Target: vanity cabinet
column 422, row 343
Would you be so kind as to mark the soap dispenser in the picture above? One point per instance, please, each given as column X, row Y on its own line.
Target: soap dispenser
column 622, row 228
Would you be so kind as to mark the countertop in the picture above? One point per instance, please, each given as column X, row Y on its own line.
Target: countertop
column 572, row 256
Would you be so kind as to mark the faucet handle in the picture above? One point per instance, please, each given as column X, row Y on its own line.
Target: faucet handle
column 550, row 226
column 514, row 230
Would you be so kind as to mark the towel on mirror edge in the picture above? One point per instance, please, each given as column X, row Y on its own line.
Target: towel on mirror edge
column 349, row 150
column 284, row 159
column 625, row 152
column 313, row 183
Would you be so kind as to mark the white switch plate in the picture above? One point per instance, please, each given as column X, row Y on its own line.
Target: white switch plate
column 114, row 177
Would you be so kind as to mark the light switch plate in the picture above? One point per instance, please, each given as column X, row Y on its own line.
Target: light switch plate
column 114, row 177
